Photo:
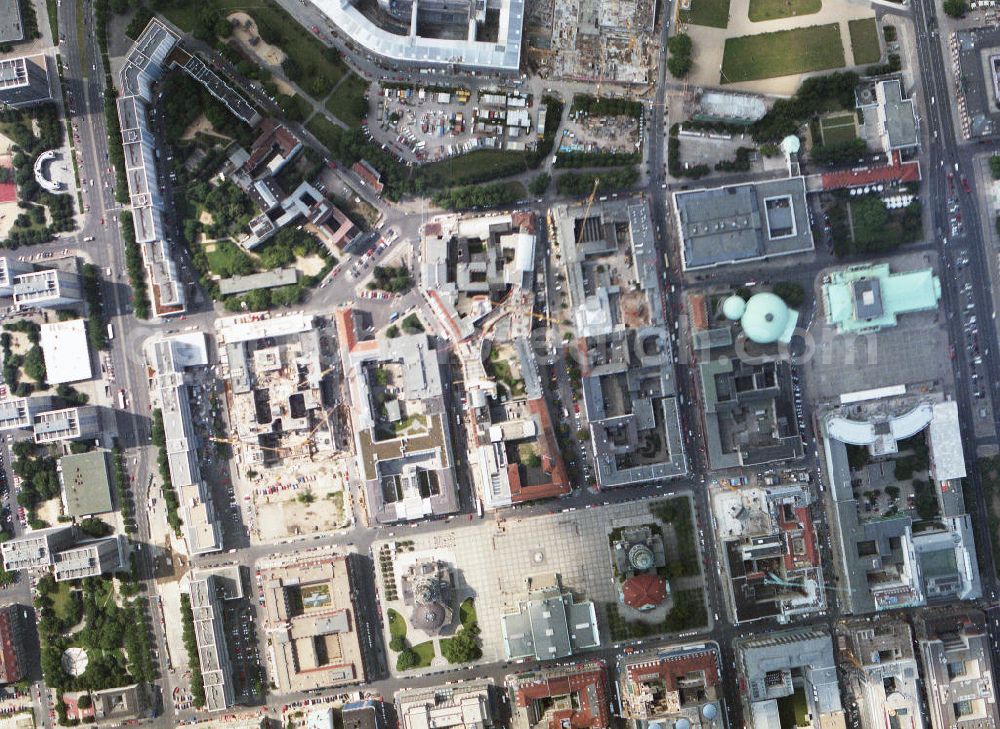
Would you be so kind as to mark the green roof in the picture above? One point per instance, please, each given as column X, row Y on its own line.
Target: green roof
column 86, row 479
column 767, row 319
column 869, row 297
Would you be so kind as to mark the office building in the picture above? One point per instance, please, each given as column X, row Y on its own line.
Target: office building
column 48, row 289
column 955, row 646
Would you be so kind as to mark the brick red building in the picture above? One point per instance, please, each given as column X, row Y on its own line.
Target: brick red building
column 12, row 643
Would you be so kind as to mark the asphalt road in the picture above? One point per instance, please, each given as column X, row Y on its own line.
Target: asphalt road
column 947, row 157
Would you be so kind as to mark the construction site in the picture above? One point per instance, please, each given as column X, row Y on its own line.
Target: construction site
column 286, row 437
column 588, row 40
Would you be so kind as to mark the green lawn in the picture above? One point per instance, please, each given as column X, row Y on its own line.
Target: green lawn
column 347, row 101
column 227, row 259
column 397, row 626
column 426, row 652
column 773, row 9
column 483, row 165
column 837, row 129
column 467, row 612
column 713, row 13
column 297, row 42
column 864, row 41
column 63, row 602
column 782, row 53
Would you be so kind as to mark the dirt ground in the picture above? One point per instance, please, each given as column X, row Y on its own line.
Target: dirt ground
column 49, row 511
column 283, row 86
column 283, row 514
column 309, row 266
column 268, row 54
column 8, row 214
column 201, row 125
column 206, row 219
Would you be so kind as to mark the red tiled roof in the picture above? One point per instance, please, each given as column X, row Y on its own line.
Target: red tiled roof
column 899, row 172
column 8, row 192
column 642, row 591
column 698, row 313
column 552, row 463
column 586, row 714
column 672, row 669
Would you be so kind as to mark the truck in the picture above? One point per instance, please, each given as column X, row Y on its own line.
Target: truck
column 122, row 402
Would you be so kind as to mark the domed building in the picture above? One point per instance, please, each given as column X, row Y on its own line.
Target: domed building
column 768, row 320
column 638, row 558
column 427, row 588
column 765, row 318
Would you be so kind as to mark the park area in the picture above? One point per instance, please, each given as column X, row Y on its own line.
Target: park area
column 711, row 13
column 782, row 53
column 864, row 41
column 761, row 10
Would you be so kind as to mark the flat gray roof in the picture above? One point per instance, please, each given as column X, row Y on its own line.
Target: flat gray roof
column 900, row 120
column 86, row 481
column 739, row 223
column 263, row 280
column 11, row 29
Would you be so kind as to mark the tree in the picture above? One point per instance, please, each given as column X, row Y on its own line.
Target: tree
column 95, row 527
column 995, row 166
column 790, row 292
column 925, row 499
column 84, row 702
column 870, row 218
column 292, row 69
column 680, row 61
column 540, row 184
column 679, row 66
column 397, row 644
column 407, row 659
column 392, row 332
column 892, row 492
column 464, row 647
column 956, row 8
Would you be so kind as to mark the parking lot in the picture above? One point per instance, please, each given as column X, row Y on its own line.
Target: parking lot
column 429, row 125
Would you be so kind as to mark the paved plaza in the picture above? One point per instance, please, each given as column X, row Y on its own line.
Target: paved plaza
column 493, row 560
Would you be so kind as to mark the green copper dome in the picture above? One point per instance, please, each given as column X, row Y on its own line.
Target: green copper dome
column 767, row 319
column 733, row 307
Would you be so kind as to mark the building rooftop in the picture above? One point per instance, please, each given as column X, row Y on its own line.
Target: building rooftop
column 316, row 644
column 561, row 696
column 263, row 280
column 766, row 663
column 465, row 704
column 11, row 29
column 66, row 350
column 503, row 55
column 86, row 479
column 868, row 297
column 893, row 117
column 673, row 683
column 741, row 223
column 549, row 626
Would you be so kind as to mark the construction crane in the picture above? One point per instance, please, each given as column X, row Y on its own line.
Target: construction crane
column 586, row 213
column 773, row 579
